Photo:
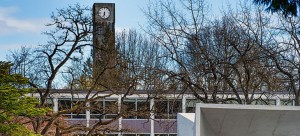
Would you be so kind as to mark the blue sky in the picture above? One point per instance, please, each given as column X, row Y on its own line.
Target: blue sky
column 22, row 21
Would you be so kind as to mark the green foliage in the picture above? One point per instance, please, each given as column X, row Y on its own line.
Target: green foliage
column 16, row 130
column 14, row 103
column 287, row 7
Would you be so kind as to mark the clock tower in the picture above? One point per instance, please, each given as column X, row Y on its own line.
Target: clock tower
column 104, row 52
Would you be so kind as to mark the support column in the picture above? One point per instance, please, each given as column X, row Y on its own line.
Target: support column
column 278, row 102
column 55, row 104
column 183, row 104
column 119, row 111
column 88, row 115
column 198, row 120
column 293, row 102
column 152, row 116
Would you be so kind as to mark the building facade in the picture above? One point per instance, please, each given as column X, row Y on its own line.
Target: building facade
column 142, row 115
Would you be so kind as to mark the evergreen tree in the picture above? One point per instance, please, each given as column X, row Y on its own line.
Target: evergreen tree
column 287, row 7
column 15, row 107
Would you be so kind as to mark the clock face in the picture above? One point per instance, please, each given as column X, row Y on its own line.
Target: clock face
column 104, row 13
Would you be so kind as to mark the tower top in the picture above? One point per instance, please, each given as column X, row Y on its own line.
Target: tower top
column 104, row 12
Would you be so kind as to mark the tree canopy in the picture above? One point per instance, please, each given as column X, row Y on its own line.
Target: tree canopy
column 15, row 107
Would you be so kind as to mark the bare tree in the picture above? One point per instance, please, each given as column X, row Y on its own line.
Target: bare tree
column 217, row 61
column 285, row 53
column 70, row 34
column 172, row 28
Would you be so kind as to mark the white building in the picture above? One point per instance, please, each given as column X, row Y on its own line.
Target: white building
column 148, row 124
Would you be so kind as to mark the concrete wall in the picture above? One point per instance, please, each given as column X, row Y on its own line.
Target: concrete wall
column 241, row 120
column 248, row 120
column 186, row 123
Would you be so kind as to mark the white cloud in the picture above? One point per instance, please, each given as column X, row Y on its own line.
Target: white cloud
column 11, row 25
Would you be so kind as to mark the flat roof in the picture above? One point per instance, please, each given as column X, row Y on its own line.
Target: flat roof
column 248, row 107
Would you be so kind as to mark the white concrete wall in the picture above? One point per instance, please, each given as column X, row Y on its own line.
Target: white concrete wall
column 185, row 124
column 247, row 120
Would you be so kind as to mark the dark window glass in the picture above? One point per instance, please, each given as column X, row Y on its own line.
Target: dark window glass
column 161, row 134
column 143, row 109
column 97, row 110
column 191, row 105
column 111, row 135
column 110, row 108
column 67, row 104
column 230, row 102
column 79, row 106
column 287, row 102
column 49, row 103
column 80, row 112
column 161, row 109
column 175, row 107
column 64, row 104
column 263, row 102
column 129, row 109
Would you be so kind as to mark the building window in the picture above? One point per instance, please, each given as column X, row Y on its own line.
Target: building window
column 97, row 109
column 80, row 113
column 68, row 104
column 161, row 109
column 287, row 102
column 129, row 135
column 160, row 134
column 49, row 103
column 175, row 107
column 110, row 108
column 191, row 105
column 135, row 134
column 229, row 102
column 65, row 104
column 143, row 108
column 264, row 102
column 167, row 109
column 129, row 108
